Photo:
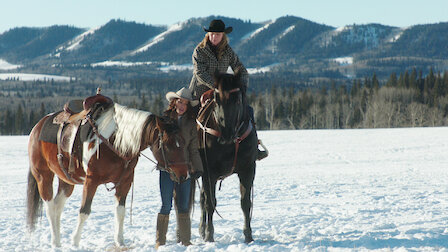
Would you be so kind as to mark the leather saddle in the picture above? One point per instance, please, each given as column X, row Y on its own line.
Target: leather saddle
column 69, row 120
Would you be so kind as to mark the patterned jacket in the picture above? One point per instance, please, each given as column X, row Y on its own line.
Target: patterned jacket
column 205, row 64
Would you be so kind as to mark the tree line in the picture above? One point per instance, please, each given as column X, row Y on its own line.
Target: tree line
column 410, row 99
column 407, row 100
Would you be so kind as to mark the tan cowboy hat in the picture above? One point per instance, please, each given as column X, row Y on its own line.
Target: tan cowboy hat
column 183, row 93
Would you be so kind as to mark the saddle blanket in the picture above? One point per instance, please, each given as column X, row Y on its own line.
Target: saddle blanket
column 49, row 130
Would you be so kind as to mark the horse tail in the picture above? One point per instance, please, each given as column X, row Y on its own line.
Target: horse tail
column 34, row 202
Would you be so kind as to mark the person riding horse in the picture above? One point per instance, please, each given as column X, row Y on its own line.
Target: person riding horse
column 214, row 54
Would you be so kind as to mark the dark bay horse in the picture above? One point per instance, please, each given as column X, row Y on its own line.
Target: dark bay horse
column 128, row 131
column 229, row 145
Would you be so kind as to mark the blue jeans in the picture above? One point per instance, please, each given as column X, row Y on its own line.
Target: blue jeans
column 167, row 186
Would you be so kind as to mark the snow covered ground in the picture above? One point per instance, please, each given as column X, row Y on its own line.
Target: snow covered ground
column 319, row 190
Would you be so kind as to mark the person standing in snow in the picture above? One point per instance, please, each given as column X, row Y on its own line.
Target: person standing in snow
column 180, row 110
column 214, row 54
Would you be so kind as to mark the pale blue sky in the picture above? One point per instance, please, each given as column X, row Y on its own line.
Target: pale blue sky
column 94, row 13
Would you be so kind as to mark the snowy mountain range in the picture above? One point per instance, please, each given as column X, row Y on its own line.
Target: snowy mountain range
column 289, row 42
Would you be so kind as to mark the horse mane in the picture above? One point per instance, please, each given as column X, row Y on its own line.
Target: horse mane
column 129, row 128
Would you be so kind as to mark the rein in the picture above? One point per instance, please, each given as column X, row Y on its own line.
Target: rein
column 206, row 129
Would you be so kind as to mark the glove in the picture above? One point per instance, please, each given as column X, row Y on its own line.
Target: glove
column 196, row 175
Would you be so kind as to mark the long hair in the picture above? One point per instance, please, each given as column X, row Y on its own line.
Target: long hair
column 221, row 46
column 171, row 110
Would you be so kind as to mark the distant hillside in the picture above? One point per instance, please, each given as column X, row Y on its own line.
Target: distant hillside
column 287, row 44
column 107, row 42
column 24, row 44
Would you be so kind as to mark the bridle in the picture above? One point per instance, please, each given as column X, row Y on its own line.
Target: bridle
column 212, row 102
column 167, row 165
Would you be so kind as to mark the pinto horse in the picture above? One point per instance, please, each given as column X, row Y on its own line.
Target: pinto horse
column 126, row 133
column 229, row 145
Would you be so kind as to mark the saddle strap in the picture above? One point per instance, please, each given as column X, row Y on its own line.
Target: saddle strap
column 58, row 139
column 60, row 156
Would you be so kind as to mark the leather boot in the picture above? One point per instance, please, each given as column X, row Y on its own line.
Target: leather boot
column 184, row 228
column 261, row 154
column 162, row 228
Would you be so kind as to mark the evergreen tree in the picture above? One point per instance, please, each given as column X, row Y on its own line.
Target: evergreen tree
column 42, row 112
column 19, row 120
column 406, row 79
column 9, row 123
column 413, row 79
column 375, row 82
column 401, row 83
column 392, row 82
column 144, row 103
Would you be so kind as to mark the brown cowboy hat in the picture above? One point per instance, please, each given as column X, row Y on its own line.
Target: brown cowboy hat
column 183, row 93
column 217, row 25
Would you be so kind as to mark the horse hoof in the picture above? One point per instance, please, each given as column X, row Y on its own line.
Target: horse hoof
column 209, row 239
column 248, row 239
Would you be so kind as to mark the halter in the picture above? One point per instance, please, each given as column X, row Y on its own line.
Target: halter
column 167, row 164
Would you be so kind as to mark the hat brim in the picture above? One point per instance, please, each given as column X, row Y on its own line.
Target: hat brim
column 171, row 95
column 226, row 30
